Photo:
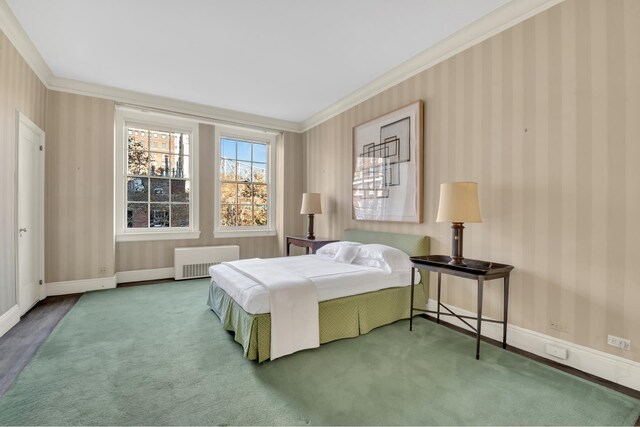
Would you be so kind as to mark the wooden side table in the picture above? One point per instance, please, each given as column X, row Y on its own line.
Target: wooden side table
column 304, row 242
column 474, row 269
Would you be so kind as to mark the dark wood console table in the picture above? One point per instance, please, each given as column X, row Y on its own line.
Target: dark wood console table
column 313, row 244
column 474, row 269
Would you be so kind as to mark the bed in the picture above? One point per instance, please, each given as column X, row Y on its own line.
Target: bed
column 339, row 315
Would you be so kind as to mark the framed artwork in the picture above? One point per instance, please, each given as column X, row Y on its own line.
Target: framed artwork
column 387, row 166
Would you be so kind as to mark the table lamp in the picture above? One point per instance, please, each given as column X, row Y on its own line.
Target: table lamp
column 311, row 206
column 458, row 204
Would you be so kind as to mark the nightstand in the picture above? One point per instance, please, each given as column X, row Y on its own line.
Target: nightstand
column 304, row 242
column 479, row 271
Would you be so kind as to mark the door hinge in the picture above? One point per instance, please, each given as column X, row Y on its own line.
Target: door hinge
column 41, row 148
column 40, row 282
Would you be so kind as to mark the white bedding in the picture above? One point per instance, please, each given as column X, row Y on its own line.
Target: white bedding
column 332, row 280
column 293, row 300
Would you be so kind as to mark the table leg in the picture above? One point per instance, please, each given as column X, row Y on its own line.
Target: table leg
column 439, row 287
column 413, row 276
column 288, row 246
column 479, row 326
column 307, row 250
column 506, row 311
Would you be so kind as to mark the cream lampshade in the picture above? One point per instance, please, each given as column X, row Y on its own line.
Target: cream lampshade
column 458, row 204
column 311, row 206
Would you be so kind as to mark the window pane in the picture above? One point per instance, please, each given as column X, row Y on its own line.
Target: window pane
column 260, row 193
column 179, row 215
column 180, row 190
column 245, row 215
column 260, row 215
column 260, row 153
column 244, row 171
column 135, row 136
column 159, row 164
column 228, row 193
column 137, row 158
column 180, row 143
column 159, row 215
column 159, row 189
column 137, row 215
column 244, row 150
column 244, row 194
column 228, row 214
column 179, row 166
column 259, row 172
column 138, row 189
column 228, row 148
column 227, row 170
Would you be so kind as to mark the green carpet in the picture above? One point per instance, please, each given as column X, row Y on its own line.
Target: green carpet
column 156, row 354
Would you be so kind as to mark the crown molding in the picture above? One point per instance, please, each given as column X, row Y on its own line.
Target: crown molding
column 170, row 105
column 11, row 27
column 502, row 18
column 495, row 22
column 18, row 37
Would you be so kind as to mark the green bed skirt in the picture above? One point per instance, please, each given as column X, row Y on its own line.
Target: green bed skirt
column 340, row 318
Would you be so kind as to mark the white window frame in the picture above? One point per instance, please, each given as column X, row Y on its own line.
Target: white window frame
column 249, row 135
column 124, row 118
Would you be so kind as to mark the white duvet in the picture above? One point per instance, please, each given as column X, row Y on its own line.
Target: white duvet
column 332, row 280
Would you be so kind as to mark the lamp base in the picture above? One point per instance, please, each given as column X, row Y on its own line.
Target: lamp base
column 456, row 244
column 310, row 234
column 457, row 261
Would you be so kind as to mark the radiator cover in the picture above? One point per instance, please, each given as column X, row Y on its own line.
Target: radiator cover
column 191, row 263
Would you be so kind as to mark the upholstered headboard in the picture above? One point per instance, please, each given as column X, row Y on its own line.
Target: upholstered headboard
column 412, row 244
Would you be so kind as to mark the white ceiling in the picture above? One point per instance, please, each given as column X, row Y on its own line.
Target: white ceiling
column 284, row 59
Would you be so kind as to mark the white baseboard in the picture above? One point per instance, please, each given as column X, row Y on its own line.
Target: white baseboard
column 9, row 319
column 604, row 365
column 142, row 275
column 80, row 286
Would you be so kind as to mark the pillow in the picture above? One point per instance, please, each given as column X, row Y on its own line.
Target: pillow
column 346, row 254
column 382, row 256
column 331, row 249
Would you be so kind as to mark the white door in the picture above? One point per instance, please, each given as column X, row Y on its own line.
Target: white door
column 30, row 215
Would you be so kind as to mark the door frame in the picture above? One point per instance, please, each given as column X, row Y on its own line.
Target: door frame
column 24, row 120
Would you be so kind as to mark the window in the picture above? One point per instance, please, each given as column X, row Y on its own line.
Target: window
column 244, row 182
column 156, row 190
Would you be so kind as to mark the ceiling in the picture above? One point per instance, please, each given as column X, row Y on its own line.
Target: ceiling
column 283, row 59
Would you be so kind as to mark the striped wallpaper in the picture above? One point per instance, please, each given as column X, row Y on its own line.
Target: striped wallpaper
column 543, row 117
column 20, row 89
column 79, row 188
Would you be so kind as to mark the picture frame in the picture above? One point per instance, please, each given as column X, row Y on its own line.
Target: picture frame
column 387, row 166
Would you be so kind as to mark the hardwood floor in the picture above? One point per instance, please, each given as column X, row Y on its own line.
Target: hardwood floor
column 19, row 345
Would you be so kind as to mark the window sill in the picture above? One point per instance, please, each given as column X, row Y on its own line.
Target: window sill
column 160, row 235
column 230, row 234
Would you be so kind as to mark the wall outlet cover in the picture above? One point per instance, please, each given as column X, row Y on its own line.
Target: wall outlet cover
column 556, row 351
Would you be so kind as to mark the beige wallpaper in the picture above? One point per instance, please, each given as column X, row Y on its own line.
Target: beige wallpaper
column 79, row 188
column 544, row 116
column 158, row 254
column 20, row 90
column 79, row 196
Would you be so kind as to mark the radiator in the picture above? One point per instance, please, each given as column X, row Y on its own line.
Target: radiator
column 190, row 263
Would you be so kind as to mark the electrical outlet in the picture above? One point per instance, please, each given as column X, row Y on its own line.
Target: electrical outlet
column 622, row 343
column 102, row 270
column 556, row 351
